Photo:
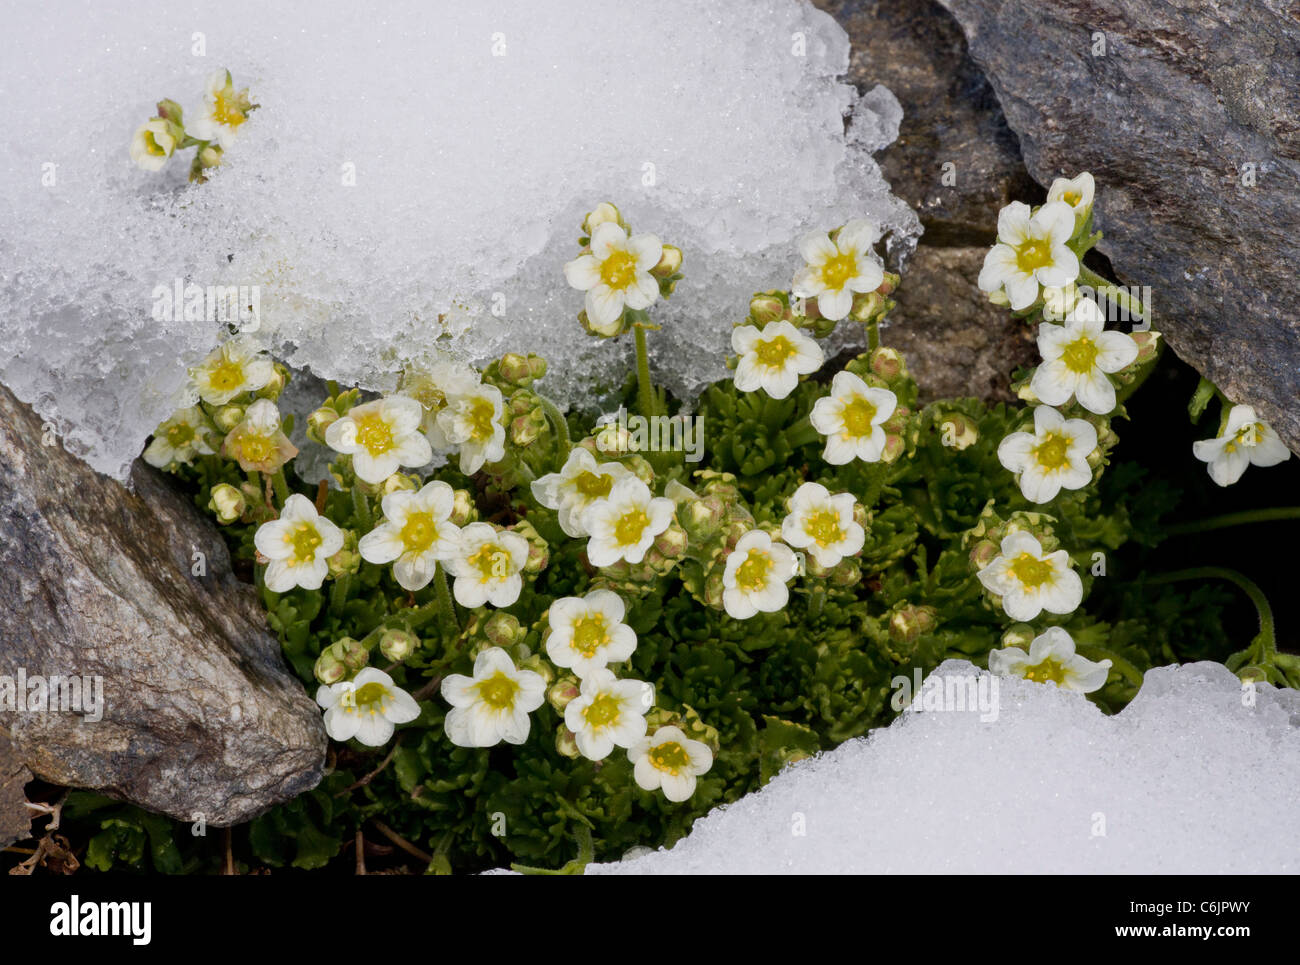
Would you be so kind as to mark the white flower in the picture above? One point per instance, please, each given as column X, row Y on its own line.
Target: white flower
column 1031, row 250
column 1077, row 192
column 670, row 760
column 588, row 633
column 773, row 358
column 298, row 544
column 822, row 524
column 1052, row 457
column 607, row 713
column 224, row 110
column 1244, row 441
column 473, row 422
column 1051, row 657
column 1078, row 357
column 615, row 275
column 493, row 705
column 1030, row 581
column 434, row 388
column 414, row 534
column 366, row 707
column 152, row 144
column 624, row 524
column 755, row 576
column 237, row 366
column 381, row 437
column 851, row 419
column 487, row 566
column 579, row 483
column 258, row 442
column 179, row 439
column 838, row 269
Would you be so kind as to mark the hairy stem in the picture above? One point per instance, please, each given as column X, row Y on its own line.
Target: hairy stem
column 645, row 391
column 1266, row 641
column 1134, row 306
column 1235, row 519
column 559, row 424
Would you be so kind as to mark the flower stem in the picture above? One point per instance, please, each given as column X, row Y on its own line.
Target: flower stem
column 1266, row 641
column 281, row 487
column 361, row 506
column 559, row 424
column 1235, row 519
column 1123, row 666
column 873, row 335
column 1133, row 306
column 645, row 390
column 446, row 606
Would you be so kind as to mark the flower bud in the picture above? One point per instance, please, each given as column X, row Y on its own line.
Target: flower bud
column 888, row 363
column 767, row 307
column 228, row 416
column 669, row 262
column 503, row 630
column 347, row 560
column 400, row 482
column 958, row 431
column 999, row 297
column 169, row 110
column 537, row 664
column 398, row 645
column 890, row 283
column 1018, row 635
column 463, row 510
column 702, row 517
column 909, row 622
column 227, row 502
column 515, row 368
column 672, row 542
column 983, row 553
column 566, row 743
column 894, row 447
column 845, row 573
column 319, row 421
column 275, row 385
column 714, row 587
column 562, row 691
column 868, row 305
column 602, row 213
column 329, row 669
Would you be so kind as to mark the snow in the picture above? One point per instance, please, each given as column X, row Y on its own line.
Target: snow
column 1194, row 776
column 477, row 135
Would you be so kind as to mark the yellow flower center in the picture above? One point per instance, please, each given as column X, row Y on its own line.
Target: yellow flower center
column 1051, row 452
column 603, row 711
column 1080, row 356
column 498, row 691
column 823, row 525
column 492, row 562
column 751, row 575
column 589, row 634
column 838, row 270
column 226, row 376
column 152, row 146
column 304, row 538
column 481, row 418
column 630, row 526
column 1072, row 198
column 373, row 433
column 1034, row 254
column 371, row 693
column 593, row 485
column 180, row 434
column 1030, row 570
column 775, row 353
column 1247, row 435
column 256, row 448
column 669, row 756
column 225, row 109
column 1049, row 671
column 419, row 532
column 618, row 271
column 858, row 416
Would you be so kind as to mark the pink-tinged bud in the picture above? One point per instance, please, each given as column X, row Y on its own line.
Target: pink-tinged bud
column 888, row 363
column 562, row 691
column 1018, row 635
column 958, row 431
column 228, row 416
column 910, row 622
column 894, row 447
column 566, row 744
column 1148, row 344
column 866, row 306
column 227, row 502
column 672, row 542
column 766, row 307
column 846, row 573
column 983, row 553
column 463, row 511
column 515, row 368
column 329, row 669
column 713, row 587
column 398, row 645
column 890, row 284
column 860, row 515
column 670, row 262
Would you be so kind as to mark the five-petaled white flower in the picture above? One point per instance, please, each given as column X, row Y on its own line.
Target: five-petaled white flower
column 473, row 422
column 1077, row 192
column 837, row 270
column 850, row 418
column 1078, row 358
column 625, row 523
column 1052, row 457
column 237, row 366
column 1244, row 441
column 366, row 707
column 615, row 274
column 414, row 535
column 258, row 442
column 381, row 437
column 152, row 144
column 822, row 524
column 1031, row 250
column 1031, row 581
column 487, row 566
column 670, row 760
column 299, row 545
column 224, row 110
column 493, row 705
column 1051, row 659
column 607, row 713
column 755, row 576
column 773, row 358
column 580, row 482
column 588, row 632
column 179, row 439
column 434, row 388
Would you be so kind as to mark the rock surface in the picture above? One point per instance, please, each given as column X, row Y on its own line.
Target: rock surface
column 199, row 714
column 15, row 817
column 1189, row 116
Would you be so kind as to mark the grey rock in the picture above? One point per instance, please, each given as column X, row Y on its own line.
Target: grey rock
column 199, row 714
column 15, row 816
column 1185, row 105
